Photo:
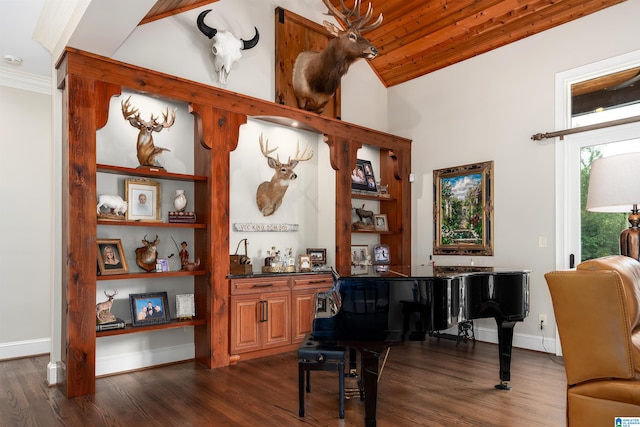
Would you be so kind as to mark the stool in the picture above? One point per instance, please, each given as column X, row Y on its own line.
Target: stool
column 314, row 356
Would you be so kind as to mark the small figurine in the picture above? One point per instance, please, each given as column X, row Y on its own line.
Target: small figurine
column 184, row 255
column 103, row 309
column 115, row 204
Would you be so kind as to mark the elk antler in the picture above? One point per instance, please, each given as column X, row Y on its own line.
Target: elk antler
column 358, row 22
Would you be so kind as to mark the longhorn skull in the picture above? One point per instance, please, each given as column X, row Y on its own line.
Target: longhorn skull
column 226, row 47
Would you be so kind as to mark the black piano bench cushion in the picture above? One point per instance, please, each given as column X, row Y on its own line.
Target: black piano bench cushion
column 315, row 356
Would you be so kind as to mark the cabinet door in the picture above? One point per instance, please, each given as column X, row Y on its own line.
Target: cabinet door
column 278, row 319
column 303, row 311
column 246, row 312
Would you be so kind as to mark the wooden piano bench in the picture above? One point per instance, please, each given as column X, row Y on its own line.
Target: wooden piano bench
column 315, row 356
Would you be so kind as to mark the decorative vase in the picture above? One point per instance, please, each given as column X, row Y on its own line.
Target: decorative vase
column 180, row 201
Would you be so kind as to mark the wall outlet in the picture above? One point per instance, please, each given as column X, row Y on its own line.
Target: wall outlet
column 542, row 320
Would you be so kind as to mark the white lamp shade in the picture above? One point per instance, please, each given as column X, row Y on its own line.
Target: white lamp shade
column 614, row 183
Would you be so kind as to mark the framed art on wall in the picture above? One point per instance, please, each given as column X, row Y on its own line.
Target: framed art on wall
column 463, row 210
column 111, row 259
column 143, row 198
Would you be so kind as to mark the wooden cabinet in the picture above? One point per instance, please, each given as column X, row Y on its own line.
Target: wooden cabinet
column 260, row 314
column 87, row 83
column 303, row 303
column 271, row 314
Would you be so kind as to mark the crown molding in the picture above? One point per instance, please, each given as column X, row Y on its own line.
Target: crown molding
column 25, row 81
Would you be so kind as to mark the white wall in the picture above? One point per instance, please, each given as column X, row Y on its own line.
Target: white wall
column 487, row 108
column 26, row 221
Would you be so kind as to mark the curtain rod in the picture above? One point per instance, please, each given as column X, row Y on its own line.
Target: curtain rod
column 562, row 133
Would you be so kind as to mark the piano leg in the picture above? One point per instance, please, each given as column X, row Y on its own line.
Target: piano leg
column 505, row 342
column 370, row 361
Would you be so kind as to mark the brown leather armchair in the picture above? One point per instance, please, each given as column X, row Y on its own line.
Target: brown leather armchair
column 597, row 310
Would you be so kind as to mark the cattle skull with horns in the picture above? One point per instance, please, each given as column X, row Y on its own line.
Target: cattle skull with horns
column 226, row 49
column 316, row 75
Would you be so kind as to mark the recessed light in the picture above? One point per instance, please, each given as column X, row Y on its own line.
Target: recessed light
column 12, row 60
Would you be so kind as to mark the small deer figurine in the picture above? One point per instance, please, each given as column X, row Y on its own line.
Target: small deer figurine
column 270, row 193
column 103, row 309
column 147, row 152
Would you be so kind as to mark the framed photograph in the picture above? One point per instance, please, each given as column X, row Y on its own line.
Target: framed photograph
column 304, row 263
column 143, row 198
column 463, row 210
column 360, row 259
column 381, row 254
column 185, row 306
column 362, row 177
column 111, row 259
column 318, row 256
column 380, row 222
column 149, row 309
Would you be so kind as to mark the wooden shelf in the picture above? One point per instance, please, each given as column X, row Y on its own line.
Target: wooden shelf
column 153, row 274
column 372, row 197
column 148, row 173
column 128, row 329
column 372, row 232
column 151, row 224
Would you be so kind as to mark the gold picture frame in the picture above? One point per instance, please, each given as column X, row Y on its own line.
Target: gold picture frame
column 143, row 199
column 111, row 259
column 463, row 210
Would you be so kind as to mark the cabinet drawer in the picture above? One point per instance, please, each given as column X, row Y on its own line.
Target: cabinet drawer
column 252, row 286
column 321, row 281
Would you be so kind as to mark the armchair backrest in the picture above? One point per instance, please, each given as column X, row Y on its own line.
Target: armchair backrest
column 597, row 310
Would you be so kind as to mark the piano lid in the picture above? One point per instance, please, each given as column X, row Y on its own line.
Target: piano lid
column 428, row 271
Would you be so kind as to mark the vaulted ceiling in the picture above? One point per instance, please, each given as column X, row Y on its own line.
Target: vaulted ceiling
column 418, row 37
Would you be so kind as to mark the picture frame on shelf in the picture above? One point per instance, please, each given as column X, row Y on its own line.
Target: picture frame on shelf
column 149, row 309
column 304, row 263
column 318, row 255
column 143, row 199
column 360, row 259
column 185, row 306
column 381, row 254
column 380, row 222
column 362, row 177
column 463, row 210
column 111, row 259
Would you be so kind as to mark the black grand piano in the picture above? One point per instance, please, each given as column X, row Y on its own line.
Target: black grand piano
column 374, row 311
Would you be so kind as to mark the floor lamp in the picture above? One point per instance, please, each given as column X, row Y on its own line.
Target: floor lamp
column 614, row 186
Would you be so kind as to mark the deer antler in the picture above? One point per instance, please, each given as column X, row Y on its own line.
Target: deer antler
column 128, row 111
column 112, row 295
column 358, row 22
column 301, row 157
column 265, row 150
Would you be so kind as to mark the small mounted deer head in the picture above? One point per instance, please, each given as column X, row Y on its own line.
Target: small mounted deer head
column 146, row 255
column 147, row 152
column 270, row 193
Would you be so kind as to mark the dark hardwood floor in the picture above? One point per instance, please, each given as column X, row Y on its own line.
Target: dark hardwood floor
column 434, row 383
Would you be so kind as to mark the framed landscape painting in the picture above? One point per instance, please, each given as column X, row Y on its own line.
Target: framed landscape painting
column 463, row 210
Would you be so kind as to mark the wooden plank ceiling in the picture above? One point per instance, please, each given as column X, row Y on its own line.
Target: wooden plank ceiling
column 418, row 37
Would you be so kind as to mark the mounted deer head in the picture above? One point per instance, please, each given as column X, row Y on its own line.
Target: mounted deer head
column 146, row 255
column 226, row 48
column 270, row 193
column 147, row 152
column 316, row 75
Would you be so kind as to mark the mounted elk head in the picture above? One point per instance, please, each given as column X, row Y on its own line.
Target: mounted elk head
column 147, row 152
column 270, row 193
column 146, row 255
column 226, row 48
column 316, row 75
